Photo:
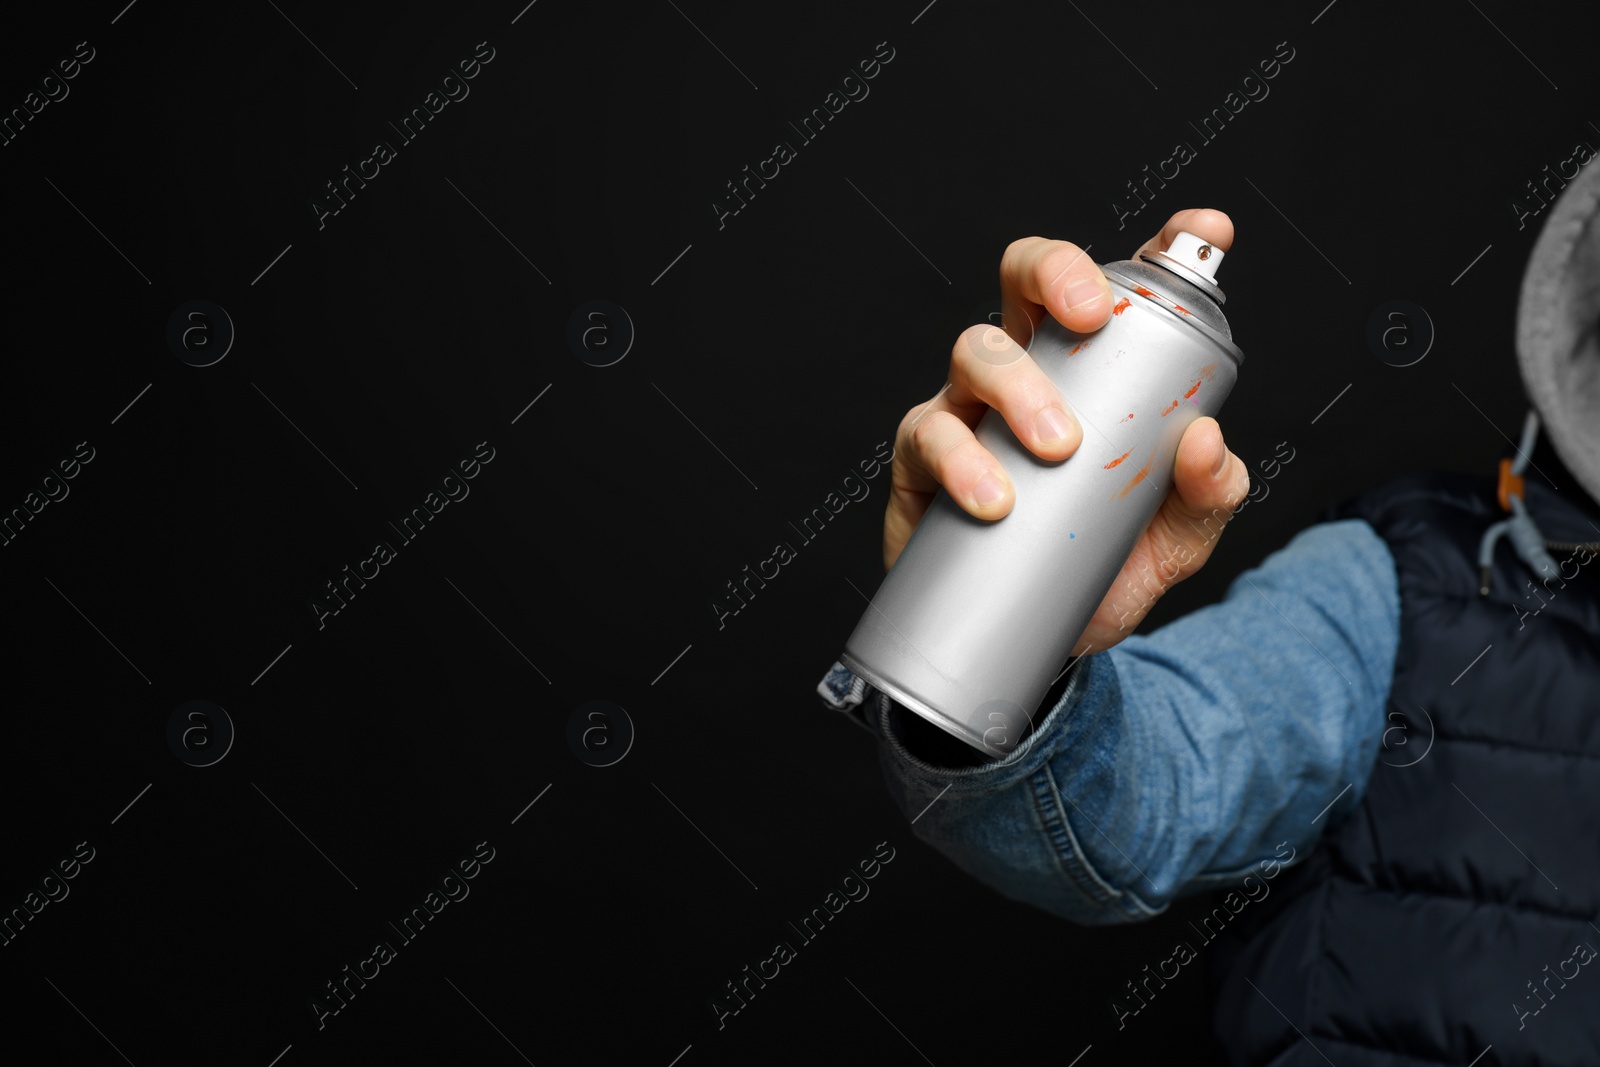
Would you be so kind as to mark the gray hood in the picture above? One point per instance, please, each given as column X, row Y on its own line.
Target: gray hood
column 1558, row 327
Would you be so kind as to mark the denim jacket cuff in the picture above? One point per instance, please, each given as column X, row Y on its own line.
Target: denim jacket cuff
column 1031, row 799
column 992, row 775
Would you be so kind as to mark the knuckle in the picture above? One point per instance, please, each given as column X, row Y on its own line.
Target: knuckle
column 1008, row 258
column 1164, row 550
column 908, row 421
column 967, row 458
column 1181, row 549
column 973, row 335
column 904, row 431
column 1239, row 487
column 1062, row 257
column 928, row 432
column 1022, row 388
column 1017, row 251
column 1030, row 388
column 983, row 345
column 908, row 435
column 960, row 352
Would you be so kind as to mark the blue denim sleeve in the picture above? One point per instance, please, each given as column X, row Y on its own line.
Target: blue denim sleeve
column 1178, row 760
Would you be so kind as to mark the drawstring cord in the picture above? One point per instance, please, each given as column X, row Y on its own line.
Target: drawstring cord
column 1526, row 538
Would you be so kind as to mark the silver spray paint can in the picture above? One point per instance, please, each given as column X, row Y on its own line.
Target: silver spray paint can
column 976, row 619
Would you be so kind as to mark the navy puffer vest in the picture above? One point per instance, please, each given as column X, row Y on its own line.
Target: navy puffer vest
column 1458, row 908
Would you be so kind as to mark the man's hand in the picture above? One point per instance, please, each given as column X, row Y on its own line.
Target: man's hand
column 935, row 445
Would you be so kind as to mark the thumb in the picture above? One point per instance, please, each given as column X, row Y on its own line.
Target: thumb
column 1209, row 482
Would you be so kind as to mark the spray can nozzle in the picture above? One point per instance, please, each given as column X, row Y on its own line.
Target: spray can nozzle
column 1194, row 260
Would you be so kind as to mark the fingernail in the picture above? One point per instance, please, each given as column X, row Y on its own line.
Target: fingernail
column 1051, row 425
column 1081, row 292
column 1221, row 459
column 989, row 490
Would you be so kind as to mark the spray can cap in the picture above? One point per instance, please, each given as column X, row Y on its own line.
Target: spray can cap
column 1192, row 259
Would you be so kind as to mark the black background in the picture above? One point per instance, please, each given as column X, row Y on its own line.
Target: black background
column 407, row 330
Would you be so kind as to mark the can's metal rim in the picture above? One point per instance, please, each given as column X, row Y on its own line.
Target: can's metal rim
column 921, row 708
column 1139, row 289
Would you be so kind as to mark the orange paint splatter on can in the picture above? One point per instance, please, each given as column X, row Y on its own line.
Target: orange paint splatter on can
column 1118, row 460
column 1126, row 417
column 1208, row 370
column 1183, row 309
column 1076, row 347
column 1143, row 473
column 1122, row 305
column 1193, row 389
column 1170, row 408
column 1142, row 291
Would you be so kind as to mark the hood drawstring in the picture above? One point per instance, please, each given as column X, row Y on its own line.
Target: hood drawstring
column 1526, row 538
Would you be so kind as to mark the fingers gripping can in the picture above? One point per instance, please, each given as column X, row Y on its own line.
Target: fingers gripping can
column 977, row 619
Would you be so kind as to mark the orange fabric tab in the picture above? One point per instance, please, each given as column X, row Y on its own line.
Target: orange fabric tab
column 1510, row 485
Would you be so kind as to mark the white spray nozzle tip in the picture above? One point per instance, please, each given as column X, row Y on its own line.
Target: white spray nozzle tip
column 1198, row 255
